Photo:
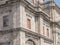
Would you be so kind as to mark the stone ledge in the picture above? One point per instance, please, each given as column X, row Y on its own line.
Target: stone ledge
column 27, row 31
column 36, row 34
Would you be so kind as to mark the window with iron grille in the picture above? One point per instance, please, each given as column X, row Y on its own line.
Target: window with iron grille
column 5, row 21
column 29, row 23
column 47, row 32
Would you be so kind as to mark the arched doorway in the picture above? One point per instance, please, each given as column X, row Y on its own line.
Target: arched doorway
column 30, row 42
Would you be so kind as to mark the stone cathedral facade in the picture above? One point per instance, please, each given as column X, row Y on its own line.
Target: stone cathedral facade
column 29, row 22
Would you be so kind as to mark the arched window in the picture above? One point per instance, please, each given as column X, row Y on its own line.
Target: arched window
column 30, row 42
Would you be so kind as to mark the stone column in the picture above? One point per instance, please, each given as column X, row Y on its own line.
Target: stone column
column 38, row 42
column 22, row 38
column 37, row 24
column 56, row 39
column 16, row 38
column 19, row 38
column 22, row 16
column 41, row 25
column 41, row 41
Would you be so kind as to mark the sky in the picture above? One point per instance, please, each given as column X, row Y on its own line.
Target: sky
column 57, row 2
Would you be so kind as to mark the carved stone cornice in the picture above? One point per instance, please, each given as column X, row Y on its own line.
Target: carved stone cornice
column 28, row 32
column 55, row 23
column 35, row 34
column 37, row 12
column 30, row 7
